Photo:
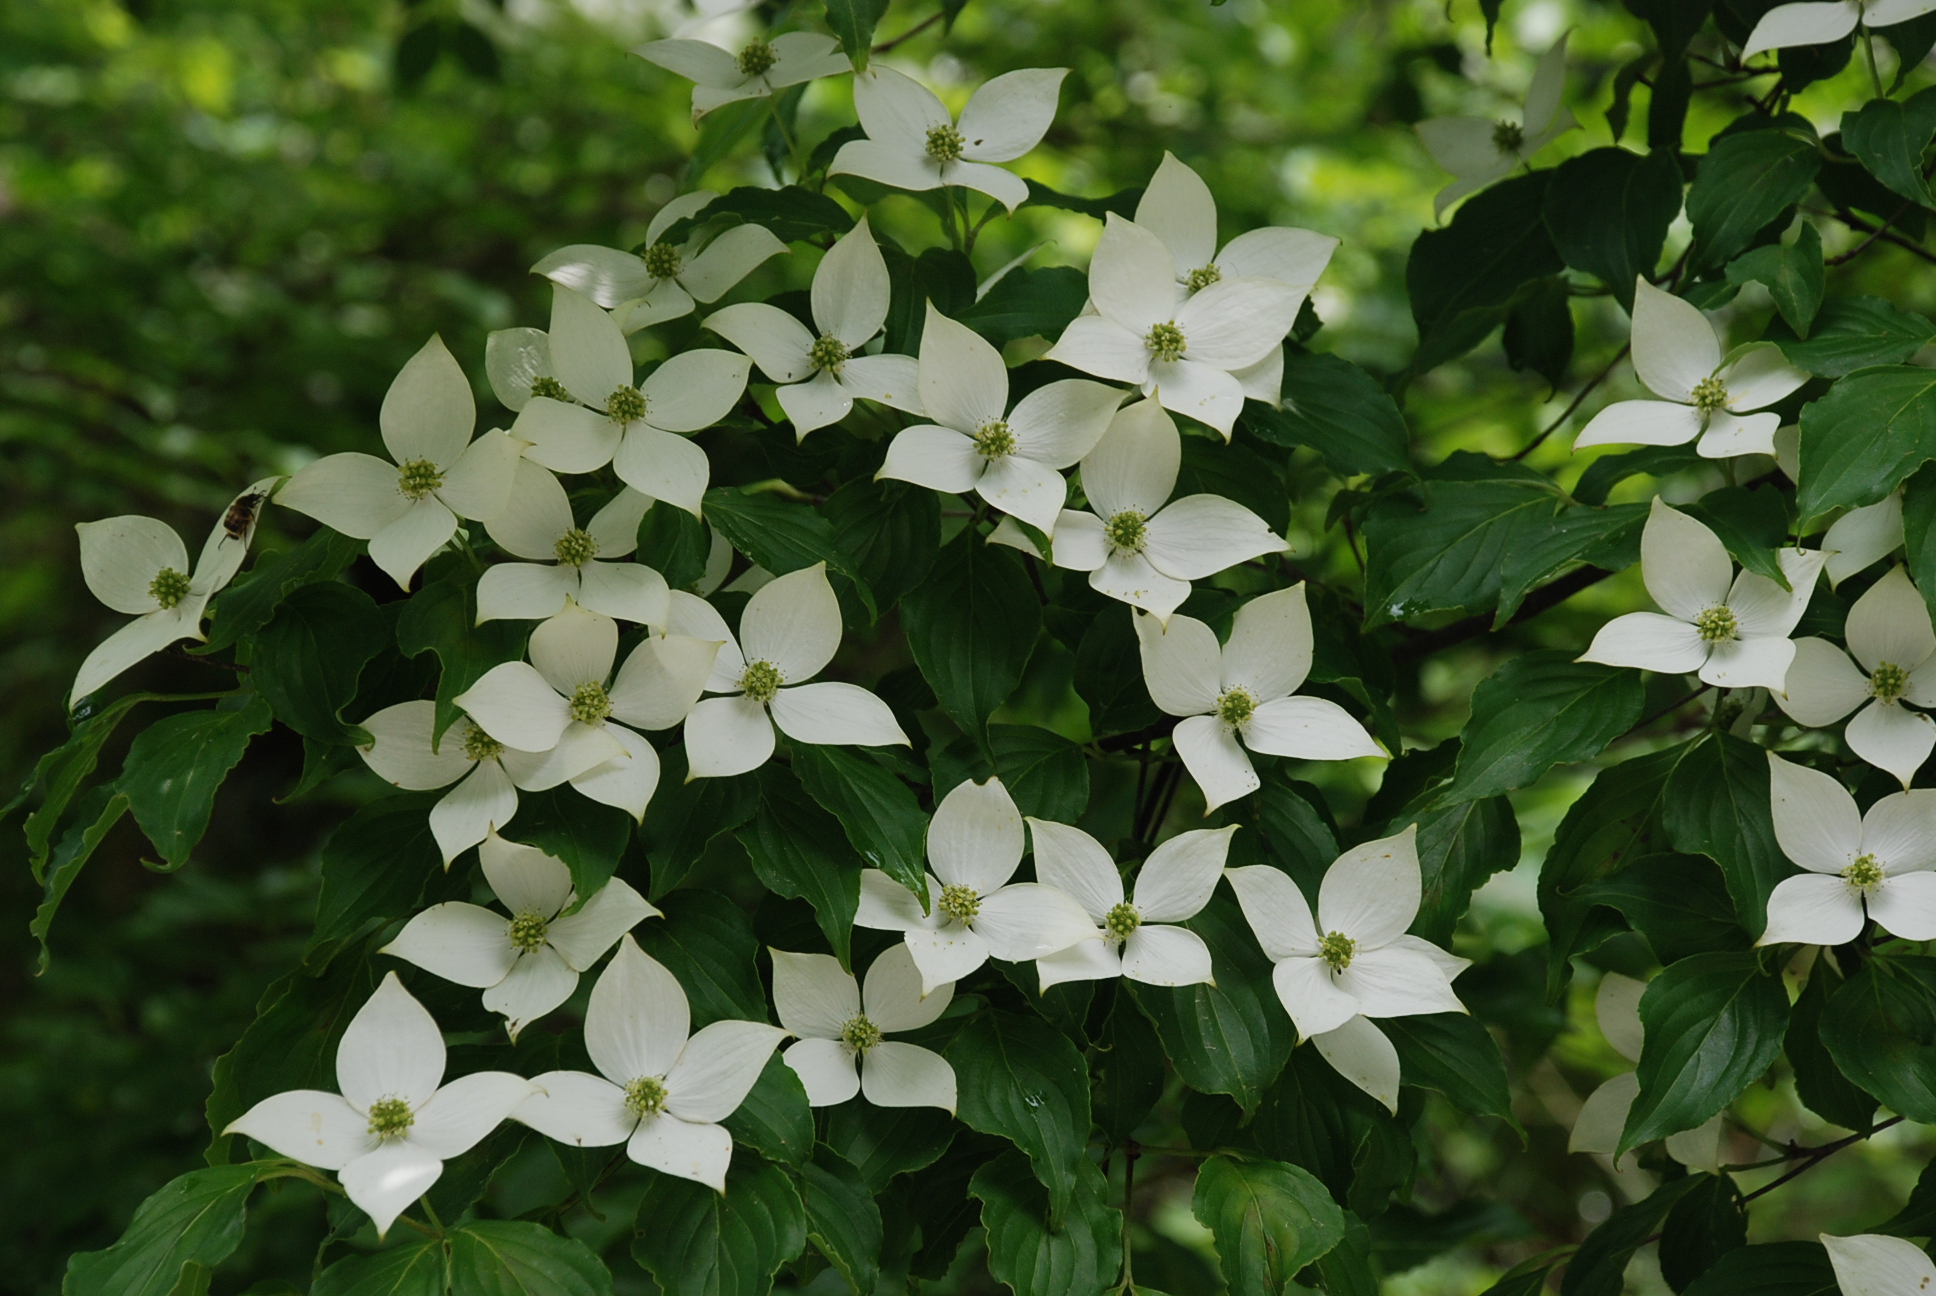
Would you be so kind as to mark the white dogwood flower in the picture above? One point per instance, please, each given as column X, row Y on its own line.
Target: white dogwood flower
column 1732, row 636
column 842, row 1027
column 663, row 282
column 408, row 510
column 388, row 1134
column 1823, row 22
column 1137, row 938
column 1011, row 458
column 529, row 963
column 570, row 561
column 139, row 565
column 788, row 632
column 757, row 70
column 974, row 848
column 1478, row 151
column 1138, row 546
column 1603, row 1116
column 1862, row 537
column 1677, row 354
column 1181, row 347
column 661, row 1089
column 914, row 143
column 636, row 429
column 1355, row 958
column 821, row 375
column 1876, row 865
column 1238, row 695
column 1890, row 635
column 567, row 694
column 1874, row 1264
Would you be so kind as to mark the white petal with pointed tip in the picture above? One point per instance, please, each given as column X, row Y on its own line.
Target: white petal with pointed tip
column 403, row 546
column 689, row 1150
column 638, row 1017
column 575, row 1108
column 310, row 1126
column 459, row 1115
column 391, row 1049
column 894, row 1074
column 1217, row 762
column 892, row 995
column 459, row 942
column 826, row 1069
column 386, row 1181
column 1871, row 1264
column 975, row 836
column 1364, row 1055
column 1156, row 954
column 718, row 1067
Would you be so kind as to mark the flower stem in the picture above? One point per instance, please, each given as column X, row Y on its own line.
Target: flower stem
column 793, row 145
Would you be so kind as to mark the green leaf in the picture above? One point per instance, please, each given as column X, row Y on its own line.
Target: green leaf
column 1027, row 1250
column 1819, row 1083
column 1872, row 430
column 1455, row 1055
column 1020, row 1078
column 248, row 604
column 1451, row 554
column 1880, row 1027
column 1608, row 471
column 1745, row 182
column 891, row 529
column 412, row 1269
column 791, row 213
column 1599, row 1267
column 941, row 276
column 882, row 1142
column 673, row 542
column 880, row 815
column 1337, row 409
column 971, row 627
column 800, row 851
column 1459, row 847
column 519, row 1258
column 1851, row 333
column 1109, row 673
column 1751, row 523
column 1714, row 1025
column 1127, row 1069
column 686, row 815
column 1605, row 537
column 1793, row 275
column 852, row 21
column 1718, row 806
column 1028, row 303
column 196, row 1218
column 843, row 1222
column 1269, row 1219
column 1539, row 710
column 175, row 767
column 1539, row 329
column 1462, row 279
column 722, row 131
column 1703, row 1226
column 1608, row 211
column 697, row 1242
column 1123, row 202
column 94, row 816
column 708, row 943
column 1408, row 1237
column 374, row 866
column 1678, row 902
column 442, row 618
column 1047, row 774
column 1528, row 1277
column 308, row 659
column 588, row 836
column 775, row 1119
column 62, row 771
column 1919, row 530
column 1772, row 1269
column 1917, row 1218
column 1890, row 136
column 782, row 536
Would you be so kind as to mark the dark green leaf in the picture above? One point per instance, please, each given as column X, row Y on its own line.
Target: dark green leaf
column 720, row 133
column 1919, row 531
column 62, row 771
column 1751, row 523
column 686, row 815
column 852, row 21
column 1047, row 774
column 1028, row 303
column 882, row 1142
column 1718, row 806
column 1793, row 275
column 588, row 836
column 519, row 1258
column 775, row 1119
column 941, row 276
column 1235, row 472
column 308, row 659
column 1880, row 1027
column 1454, row 1054
column 781, row 536
column 1703, row 1226
column 442, row 618
column 842, row 1220
column 891, row 529
column 374, row 866
column 1851, row 333
column 1459, row 847
column 1608, row 211
column 195, row 1218
column 1109, row 674
column 413, row 1269
column 1123, row 202
column 1872, row 430
column 1604, row 537
column 1020, row 1078
column 1820, row 1085
column 1917, row 1218
column 1673, row 90
column 1889, row 136
column 1269, row 1219
column 417, row 54
column 674, row 543
column 1539, row 710
column 880, row 815
column 1599, row 1267
column 1451, row 554
column 1337, row 409
column 1127, row 1067
column 1608, row 471
column 1462, row 279
column 1714, row 1024
column 1680, row 903
column 1773, row 1269
column 1539, row 329
column 473, row 49
column 1028, row 1251
column 175, row 767
column 971, row 627
column 1528, row 1278
column 248, row 604
column 697, row 1242
column 1745, row 182
column 708, row 943
column 800, row 851
column 94, row 815
column 791, row 212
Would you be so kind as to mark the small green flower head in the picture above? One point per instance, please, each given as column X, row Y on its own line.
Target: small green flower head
column 626, row 405
column 959, row 902
column 757, row 59
column 1717, row 624
column 645, row 1096
column 1236, row 707
column 418, row 478
column 169, row 587
column 550, row 388
column 1887, row 684
column 391, row 1118
column 576, row 548
column 1508, row 137
column 590, row 703
column 761, row 681
column 945, row 144
column 662, row 260
column 1121, row 921
column 528, row 932
column 828, row 352
column 993, row 439
column 1709, row 394
column 1165, row 342
column 1864, row 875
column 1203, row 276
column 1336, row 948
column 480, row 746
column 860, row 1034
column 1127, row 532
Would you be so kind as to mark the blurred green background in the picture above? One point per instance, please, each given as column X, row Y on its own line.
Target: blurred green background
column 224, row 224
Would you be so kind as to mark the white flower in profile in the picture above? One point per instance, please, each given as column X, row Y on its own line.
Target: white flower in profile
column 139, row 565
column 636, row 429
column 1603, row 1116
column 408, row 510
column 1238, row 695
column 757, row 70
column 914, row 143
column 1873, row 1264
column 821, row 375
column 567, row 696
column 1677, row 354
column 1178, row 208
column 1862, row 537
column 1138, row 546
column 974, row 848
column 1822, row 22
column 390, row 1131
column 1355, row 958
column 1890, row 635
column 661, row 1089
column 1478, row 151
column 1732, row 636
column 1181, row 347
column 1875, row 865
column 1011, row 458
column 529, row 963
column 788, row 632
column 842, row 1028
column 1138, row 939
column 538, row 524
column 665, row 280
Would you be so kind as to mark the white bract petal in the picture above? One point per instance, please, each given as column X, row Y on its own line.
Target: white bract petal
column 1871, row 1264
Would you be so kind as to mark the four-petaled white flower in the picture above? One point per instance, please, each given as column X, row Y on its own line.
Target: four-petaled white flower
column 1137, row 938
column 537, row 524
column 408, row 510
column 388, row 1134
column 1890, row 635
column 529, row 963
column 1178, row 208
column 755, row 71
column 1732, row 636
column 635, row 429
column 1876, row 865
column 1137, row 546
column 1011, row 458
column 821, row 374
column 1862, row 537
column 914, row 143
column 664, row 281
column 1183, row 348
column 974, row 848
column 1603, row 1116
column 567, row 695
column 1822, row 22
column 1874, row 1264
column 1478, row 151
column 138, row 565
column 1239, row 695
column 1677, row 354
column 841, row 1026
column 788, row 632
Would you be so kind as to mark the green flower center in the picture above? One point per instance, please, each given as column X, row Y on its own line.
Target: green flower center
column 645, row 1096
column 1127, row 532
column 1336, row 948
column 1865, row 875
column 1709, row 394
column 945, row 144
column 1507, row 136
column 1122, row 920
column 550, row 388
column 576, row 548
column 1717, row 624
column 993, row 439
column 418, row 478
column 169, row 587
column 761, row 681
column 756, row 59
column 626, row 405
column 1236, row 706
column 528, row 931
column 590, row 703
column 1203, row 276
column 1165, row 342
column 662, row 260
column 959, row 902
column 1888, row 683
column 390, row 1118
column 859, row 1034
column 828, row 352
column 480, row 746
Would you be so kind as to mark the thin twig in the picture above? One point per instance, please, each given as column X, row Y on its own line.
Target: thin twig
column 910, row 33
column 1812, row 1157
column 1543, row 599
column 1584, row 392
column 176, row 650
column 1671, row 706
column 1864, row 245
column 1855, row 222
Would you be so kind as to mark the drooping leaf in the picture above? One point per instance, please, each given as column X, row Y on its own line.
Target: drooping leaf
column 1872, row 430
column 891, row 529
column 1462, row 279
column 308, row 659
column 520, row 1258
column 781, row 536
column 1879, row 1028
column 1459, row 846
column 1851, row 333
column 94, row 815
column 800, row 851
column 882, row 1142
column 1028, row 303
column 880, row 815
column 1602, row 537
column 1047, row 774
column 1680, row 903
column 1889, row 136
column 674, row 543
column 196, row 1218
column 1793, row 275
column 1539, row 329
column 1035, row 1256
column 852, row 21
column 1337, row 409
column 1714, row 1023
column 843, row 1222
column 1450, row 553
column 248, row 604
column 971, row 627
column 697, row 1242
column 1750, row 523
column 1269, row 1219
column 685, row 816
column 1539, row 710
column 375, row 865
column 1020, row 1078
column 1771, row 1269
column 1127, row 1069
column 1456, row 1055
column 1745, row 182
column 1819, row 1083
column 175, row 767
column 775, row 1120
column 1706, row 1224
column 62, row 771
column 1718, row 806
column 708, row 943
column 1608, row 211
column 1123, row 202
column 587, row 835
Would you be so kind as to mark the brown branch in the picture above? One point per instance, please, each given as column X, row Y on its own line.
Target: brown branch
column 1812, row 1157
column 1865, row 244
column 1543, row 599
column 1568, row 412
column 909, row 34
column 1855, row 222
